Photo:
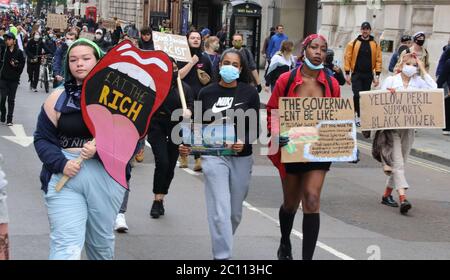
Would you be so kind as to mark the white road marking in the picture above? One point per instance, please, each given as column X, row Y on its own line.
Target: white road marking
column 20, row 137
column 294, row 232
column 413, row 160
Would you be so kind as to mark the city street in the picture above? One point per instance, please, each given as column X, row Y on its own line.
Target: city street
column 354, row 224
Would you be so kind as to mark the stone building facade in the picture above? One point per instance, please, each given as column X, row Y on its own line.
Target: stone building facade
column 390, row 19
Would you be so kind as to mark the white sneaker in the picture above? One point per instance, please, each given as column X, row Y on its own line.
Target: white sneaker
column 446, row 132
column 121, row 224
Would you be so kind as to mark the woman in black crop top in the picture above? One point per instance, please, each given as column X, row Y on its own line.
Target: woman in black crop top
column 83, row 212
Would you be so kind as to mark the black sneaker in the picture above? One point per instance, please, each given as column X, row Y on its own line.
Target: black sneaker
column 284, row 253
column 161, row 208
column 405, row 206
column 389, row 201
column 155, row 212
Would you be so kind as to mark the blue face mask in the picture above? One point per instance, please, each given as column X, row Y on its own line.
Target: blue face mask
column 229, row 73
column 312, row 66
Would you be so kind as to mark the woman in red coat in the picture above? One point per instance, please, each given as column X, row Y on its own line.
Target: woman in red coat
column 301, row 181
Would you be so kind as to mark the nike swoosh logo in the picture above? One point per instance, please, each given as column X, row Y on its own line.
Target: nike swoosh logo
column 216, row 109
column 238, row 104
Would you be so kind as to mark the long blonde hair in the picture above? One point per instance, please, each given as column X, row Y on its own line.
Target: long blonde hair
column 405, row 56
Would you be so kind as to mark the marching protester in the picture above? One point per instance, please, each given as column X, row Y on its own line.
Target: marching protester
column 34, row 50
column 197, row 73
column 49, row 41
column 442, row 59
column 396, row 144
column 12, row 63
column 281, row 62
column 227, row 178
column 444, row 81
column 333, row 69
column 117, row 34
column 83, row 212
column 419, row 50
column 364, row 60
column 146, row 40
column 4, row 219
column 145, row 43
column 405, row 41
column 60, row 54
column 164, row 149
column 275, row 41
column 100, row 40
column 238, row 44
column 212, row 47
column 301, row 181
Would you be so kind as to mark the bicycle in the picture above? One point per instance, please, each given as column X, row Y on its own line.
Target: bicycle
column 46, row 72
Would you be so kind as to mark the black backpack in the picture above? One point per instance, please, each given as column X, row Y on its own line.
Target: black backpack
column 292, row 77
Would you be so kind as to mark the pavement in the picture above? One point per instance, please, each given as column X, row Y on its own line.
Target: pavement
column 429, row 144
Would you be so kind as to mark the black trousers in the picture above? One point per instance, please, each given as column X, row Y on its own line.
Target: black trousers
column 33, row 73
column 360, row 82
column 8, row 91
column 165, row 152
column 447, row 114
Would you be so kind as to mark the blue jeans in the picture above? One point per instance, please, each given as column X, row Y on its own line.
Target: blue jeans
column 83, row 213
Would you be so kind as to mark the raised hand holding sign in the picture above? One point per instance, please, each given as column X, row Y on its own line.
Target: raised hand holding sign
column 118, row 99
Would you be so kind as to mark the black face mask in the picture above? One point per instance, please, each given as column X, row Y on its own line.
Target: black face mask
column 420, row 42
column 329, row 60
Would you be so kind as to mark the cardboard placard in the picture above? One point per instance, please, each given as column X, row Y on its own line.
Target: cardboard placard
column 404, row 109
column 87, row 35
column 109, row 24
column 56, row 21
column 175, row 46
column 319, row 129
column 118, row 99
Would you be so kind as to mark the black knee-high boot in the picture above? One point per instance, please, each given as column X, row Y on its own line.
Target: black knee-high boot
column 311, row 225
column 286, row 223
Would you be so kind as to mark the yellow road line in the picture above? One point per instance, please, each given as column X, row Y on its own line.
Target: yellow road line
column 412, row 160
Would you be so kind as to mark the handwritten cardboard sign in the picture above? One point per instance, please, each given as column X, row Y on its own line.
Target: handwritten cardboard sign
column 87, row 35
column 118, row 99
column 319, row 129
column 56, row 21
column 109, row 24
column 403, row 109
column 175, row 46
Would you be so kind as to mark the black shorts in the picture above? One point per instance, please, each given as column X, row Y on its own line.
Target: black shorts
column 303, row 167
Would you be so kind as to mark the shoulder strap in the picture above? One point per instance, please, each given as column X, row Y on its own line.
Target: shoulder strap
column 330, row 83
column 290, row 81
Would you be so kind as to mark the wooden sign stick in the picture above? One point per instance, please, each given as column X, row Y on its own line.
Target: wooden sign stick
column 66, row 178
column 181, row 92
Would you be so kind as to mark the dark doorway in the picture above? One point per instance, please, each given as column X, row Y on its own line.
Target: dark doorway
column 207, row 13
column 311, row 14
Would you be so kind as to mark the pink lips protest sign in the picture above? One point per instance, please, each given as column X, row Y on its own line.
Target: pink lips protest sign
column 118, row 99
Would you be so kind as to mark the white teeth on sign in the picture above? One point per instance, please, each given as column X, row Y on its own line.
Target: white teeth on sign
column 135, row 72
column 153, row 60
column 124, row 47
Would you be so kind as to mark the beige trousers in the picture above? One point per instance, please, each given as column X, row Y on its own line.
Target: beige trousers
column 403, row 141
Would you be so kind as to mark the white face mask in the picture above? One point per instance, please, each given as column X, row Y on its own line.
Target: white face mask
column 69, row 43
column 37, row 37
column 98, row 36
column 409, row 70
